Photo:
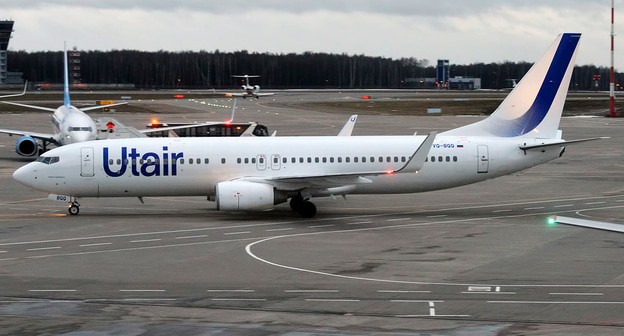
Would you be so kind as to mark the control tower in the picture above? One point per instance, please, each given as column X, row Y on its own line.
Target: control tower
column 6, row 28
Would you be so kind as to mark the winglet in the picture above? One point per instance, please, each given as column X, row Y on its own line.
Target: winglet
column 417, row 160
column 17, row 94
column 66, row 100
column 347, row 129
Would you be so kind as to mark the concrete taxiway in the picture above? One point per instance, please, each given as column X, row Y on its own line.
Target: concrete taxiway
column 479, row 259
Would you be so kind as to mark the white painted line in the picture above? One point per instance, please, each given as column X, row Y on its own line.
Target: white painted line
column 282, row 229
column 479, row 288
column 360, row 223
column 95, row 244
column 415, row 301
column 142, row 290
column 311, row 291
column 558, row 302
column 502, row 210
column 191, row 237
column 398, row 219
column 230, row 290
column 145, row 240
column 495, row 293
column 236, row 233
column 332, row 300
column 437, row 216
column 44, row 248
column 319, row 226
column 227, row 299
column 592, row 203
column 4, row 251
column 408, row 316
column 403, row 291
column 432, row 308
column 587, row 294
column 619, row 201
column 563, row 206
column 535, row 208
column 145, row 299
column 51, row 290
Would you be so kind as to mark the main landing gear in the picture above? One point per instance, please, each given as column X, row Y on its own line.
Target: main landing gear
column 74, row 206
column 306, row 208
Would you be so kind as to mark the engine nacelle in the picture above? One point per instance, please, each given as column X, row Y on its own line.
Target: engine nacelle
column 242, row 195
column 256, row 87
column 26, row 146
column 244, row 87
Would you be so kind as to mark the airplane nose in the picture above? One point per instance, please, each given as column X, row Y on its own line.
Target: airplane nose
column 25, row 175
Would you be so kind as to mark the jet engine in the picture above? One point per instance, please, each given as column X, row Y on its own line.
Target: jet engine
column 243, row 195
column 26, row 146
column 256, row 87
column 244, row 87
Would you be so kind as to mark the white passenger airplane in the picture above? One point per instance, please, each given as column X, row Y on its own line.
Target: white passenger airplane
column 248, row 89
column 70, row 124
column 255, row 174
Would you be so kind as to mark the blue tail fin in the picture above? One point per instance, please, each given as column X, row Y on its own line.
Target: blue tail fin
column 534, row 107
column 66, row 100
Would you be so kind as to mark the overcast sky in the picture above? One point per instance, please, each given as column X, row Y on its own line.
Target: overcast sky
column 462, row 31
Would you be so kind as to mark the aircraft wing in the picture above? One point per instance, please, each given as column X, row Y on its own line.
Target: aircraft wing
column 84, row 109
column 49, row 109
column 263, row 94
column 17, row 94
column 588, row 223
column 298, row 182
column 347, row 129
column 41, row 136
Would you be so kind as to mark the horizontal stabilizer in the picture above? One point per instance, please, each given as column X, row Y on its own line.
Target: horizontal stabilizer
column 83, row 109
column 561, row 143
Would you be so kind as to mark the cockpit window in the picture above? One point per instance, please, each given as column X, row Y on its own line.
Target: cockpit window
column 73, row 129
column 48, row 159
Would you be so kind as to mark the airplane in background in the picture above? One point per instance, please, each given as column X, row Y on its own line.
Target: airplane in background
column 255, row 174
column 70, row 124
column 248, row 89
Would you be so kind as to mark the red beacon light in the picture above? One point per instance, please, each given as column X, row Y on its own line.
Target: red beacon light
column 110, row 126
column 178, row 96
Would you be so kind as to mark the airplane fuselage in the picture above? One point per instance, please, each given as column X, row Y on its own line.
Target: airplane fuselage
column 193, row 166
column 72, row 125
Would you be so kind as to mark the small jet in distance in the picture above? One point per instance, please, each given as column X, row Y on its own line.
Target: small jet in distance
column 249, row 90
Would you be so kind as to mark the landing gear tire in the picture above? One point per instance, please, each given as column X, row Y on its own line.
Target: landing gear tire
column 73, row 209
column 307, row 209
column 296, row 203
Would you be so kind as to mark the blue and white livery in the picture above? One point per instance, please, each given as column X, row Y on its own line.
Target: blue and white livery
column 70, row 124
column 255, row 174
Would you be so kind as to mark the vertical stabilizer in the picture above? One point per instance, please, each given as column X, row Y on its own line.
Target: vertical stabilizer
column 66, row 100
column 533, row 108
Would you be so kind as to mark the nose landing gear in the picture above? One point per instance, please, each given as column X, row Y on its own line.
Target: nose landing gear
column 74, row 206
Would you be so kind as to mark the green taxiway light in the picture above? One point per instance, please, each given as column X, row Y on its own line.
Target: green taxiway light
column 552, row 220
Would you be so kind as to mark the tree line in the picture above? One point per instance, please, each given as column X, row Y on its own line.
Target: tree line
column 203, row 69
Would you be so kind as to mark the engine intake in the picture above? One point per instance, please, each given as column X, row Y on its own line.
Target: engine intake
column 26, row 146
